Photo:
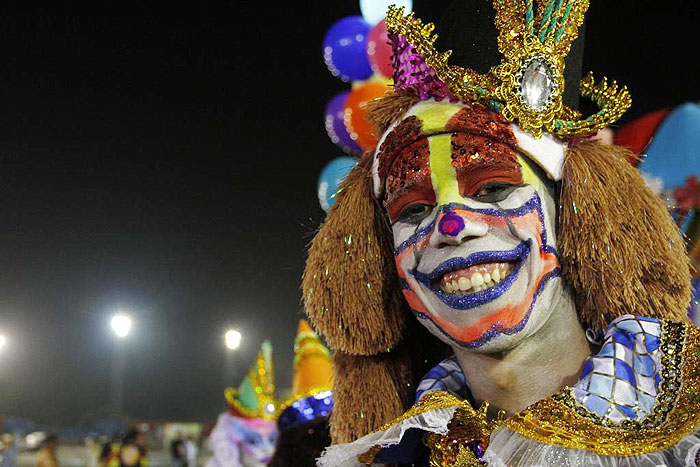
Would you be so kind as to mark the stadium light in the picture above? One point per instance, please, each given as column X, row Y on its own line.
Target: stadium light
column 232, row 338
column 121, row 325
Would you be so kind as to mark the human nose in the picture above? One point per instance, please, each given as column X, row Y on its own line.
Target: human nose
column 453, row 229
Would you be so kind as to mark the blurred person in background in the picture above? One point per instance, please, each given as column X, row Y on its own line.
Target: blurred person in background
column 133, row 450
column 92, row 451
column 47, row 453
column 191, row 451
column 177, row 451
column 9, row 451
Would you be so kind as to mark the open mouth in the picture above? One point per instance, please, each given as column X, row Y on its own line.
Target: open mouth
column 475, row 278
column 464, row 283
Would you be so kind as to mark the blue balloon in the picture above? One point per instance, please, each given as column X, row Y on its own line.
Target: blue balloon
column 345, row 49
column 335, row 126
column 672, row 155
column 330, row 179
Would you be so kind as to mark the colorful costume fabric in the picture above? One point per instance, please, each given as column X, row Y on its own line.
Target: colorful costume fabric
column 626, row 400
column 303, row 418
column 487, row 224
column 246, row 434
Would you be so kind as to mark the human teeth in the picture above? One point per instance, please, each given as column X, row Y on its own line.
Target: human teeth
column 475, row 278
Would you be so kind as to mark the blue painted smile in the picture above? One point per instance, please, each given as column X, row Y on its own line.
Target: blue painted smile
column 472, row 300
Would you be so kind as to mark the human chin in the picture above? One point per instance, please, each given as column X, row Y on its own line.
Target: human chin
column 492, row 289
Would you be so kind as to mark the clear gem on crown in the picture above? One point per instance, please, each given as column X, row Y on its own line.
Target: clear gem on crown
column 536, row 84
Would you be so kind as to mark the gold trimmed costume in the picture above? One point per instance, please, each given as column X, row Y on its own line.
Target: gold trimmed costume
column 560, row 426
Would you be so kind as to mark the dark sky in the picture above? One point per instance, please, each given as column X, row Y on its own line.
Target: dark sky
column 163, row 160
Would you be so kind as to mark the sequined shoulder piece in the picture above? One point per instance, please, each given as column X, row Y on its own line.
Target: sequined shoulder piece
column 566, row 419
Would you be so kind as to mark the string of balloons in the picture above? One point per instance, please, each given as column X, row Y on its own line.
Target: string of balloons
column 357, row 50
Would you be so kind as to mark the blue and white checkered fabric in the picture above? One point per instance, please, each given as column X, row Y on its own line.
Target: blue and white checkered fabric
column 445, row 376
column 621, row 382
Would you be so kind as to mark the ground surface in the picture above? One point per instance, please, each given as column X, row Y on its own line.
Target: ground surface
column 78, row 456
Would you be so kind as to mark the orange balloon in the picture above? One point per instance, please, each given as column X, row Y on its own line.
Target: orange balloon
column 355, row 111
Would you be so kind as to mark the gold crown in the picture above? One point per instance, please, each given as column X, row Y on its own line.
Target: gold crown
column 528, row 84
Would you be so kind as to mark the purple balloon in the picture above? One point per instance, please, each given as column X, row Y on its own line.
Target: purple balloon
column 345, row 49
column 335, row 125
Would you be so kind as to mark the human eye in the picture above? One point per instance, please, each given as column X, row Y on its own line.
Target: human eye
column 493, row 192
column 414, row 213
column 253, row 439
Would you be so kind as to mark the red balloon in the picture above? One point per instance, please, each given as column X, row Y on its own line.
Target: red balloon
column 379, row 50
column 355, row 111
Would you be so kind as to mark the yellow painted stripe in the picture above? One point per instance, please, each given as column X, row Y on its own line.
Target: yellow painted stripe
column 435, row 115
column 442, row 174
column 529, row 175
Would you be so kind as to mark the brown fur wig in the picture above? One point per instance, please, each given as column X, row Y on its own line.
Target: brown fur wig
column 621, row 254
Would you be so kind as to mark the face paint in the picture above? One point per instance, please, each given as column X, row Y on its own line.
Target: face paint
column 476, row 257
column 256, row 439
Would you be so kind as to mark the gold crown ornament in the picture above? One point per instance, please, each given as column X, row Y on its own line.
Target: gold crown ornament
column 527, row 85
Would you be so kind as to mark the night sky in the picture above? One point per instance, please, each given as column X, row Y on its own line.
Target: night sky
column 163, row 161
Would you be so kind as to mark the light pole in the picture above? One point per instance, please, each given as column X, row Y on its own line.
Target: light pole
column 121, row 326
column 232, row 341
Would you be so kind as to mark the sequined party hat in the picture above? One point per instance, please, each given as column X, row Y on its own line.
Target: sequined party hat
column 311, row 384
column 255, row 396
column 512, row 56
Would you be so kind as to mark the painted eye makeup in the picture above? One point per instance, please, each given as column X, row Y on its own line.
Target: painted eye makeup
column 414, row 213
column 494, row 192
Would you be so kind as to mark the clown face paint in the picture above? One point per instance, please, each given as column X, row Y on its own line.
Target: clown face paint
column 473, row 226
column 249, row 442
column 257, row 438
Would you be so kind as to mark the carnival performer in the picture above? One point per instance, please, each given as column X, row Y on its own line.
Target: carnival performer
column 546, row 272
column 303, row 418
column 245, row 435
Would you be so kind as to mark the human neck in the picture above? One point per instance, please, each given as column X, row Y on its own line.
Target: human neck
column 536, row 368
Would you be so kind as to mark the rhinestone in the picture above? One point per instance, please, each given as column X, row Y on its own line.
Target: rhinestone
column 537, row 85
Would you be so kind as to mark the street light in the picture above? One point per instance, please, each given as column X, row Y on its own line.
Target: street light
column 3, row 341
column 232, row 338
column 121, row 325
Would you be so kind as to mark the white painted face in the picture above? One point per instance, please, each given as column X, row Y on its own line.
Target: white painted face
column 473, row 226
column 256, row 439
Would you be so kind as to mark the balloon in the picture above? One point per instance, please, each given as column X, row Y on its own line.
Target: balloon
column 331, row 177
column 345, row 49
column 379, row 50
column 355, row 111
column 335, row 126
column 373, row 11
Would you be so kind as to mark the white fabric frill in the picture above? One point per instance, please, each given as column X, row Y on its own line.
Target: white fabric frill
column 345, row 455
column 508, row 448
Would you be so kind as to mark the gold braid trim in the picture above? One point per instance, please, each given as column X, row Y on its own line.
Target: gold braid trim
column 432, row 401
column 559, row 420
column 231, row 395
column 522, row 45
column 612, row 101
